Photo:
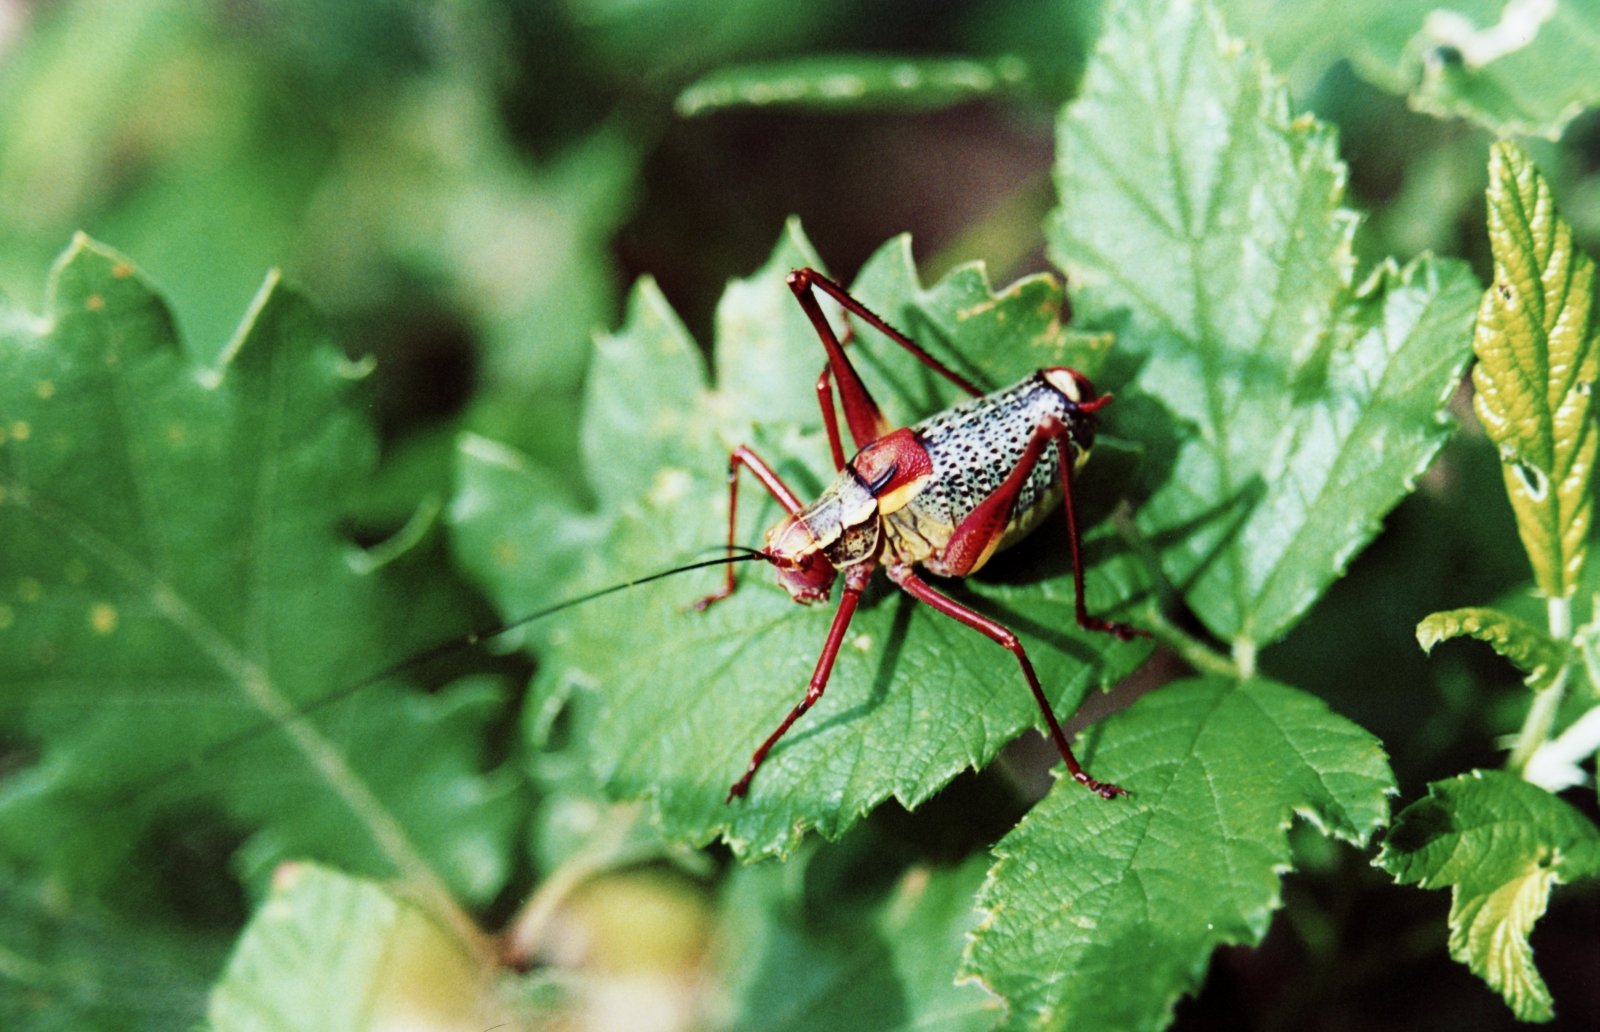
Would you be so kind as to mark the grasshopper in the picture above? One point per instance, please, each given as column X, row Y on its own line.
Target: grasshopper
column 942, row 495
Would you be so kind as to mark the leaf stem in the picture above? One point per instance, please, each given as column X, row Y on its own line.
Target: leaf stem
column 1542, row 714
column 1191, row 649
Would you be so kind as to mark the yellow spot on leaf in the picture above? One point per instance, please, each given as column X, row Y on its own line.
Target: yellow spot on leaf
column 20, row 430
column 505, row 553
column 862, row 643
column 122, row 270
column 94, row 302
column 103, row 617
column 29, row 590
column 177, row 434
column 45, row 390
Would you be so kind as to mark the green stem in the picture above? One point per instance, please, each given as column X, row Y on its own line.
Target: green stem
column 1191, row 649
column 1542, row 714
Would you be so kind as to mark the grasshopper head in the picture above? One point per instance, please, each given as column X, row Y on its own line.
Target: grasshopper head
column 1082, row 402
column 803, row 567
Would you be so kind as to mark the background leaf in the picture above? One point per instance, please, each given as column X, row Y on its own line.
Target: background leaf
column 848, row 81
column 1203, row 221
column 1137, row 892
column 800, row 957
column 1515, row 69
column 332, row 952
column 1501, row 845
column 1538, row 361
column 174, row 574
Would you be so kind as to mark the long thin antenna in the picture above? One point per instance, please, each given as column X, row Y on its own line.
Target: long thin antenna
column 416, row 659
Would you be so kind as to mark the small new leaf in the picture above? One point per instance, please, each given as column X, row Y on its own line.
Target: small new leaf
column 1500, row 844
column 1534, row 652
column 1103, row 916
column 1289, row 408
column 1538, row 360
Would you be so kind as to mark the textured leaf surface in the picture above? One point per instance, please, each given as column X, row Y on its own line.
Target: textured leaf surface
column 328, row 951
column 681, row 699
column 1538, row 360
column 1531, row 649
column 175, row 574
column 1101, row 914
column 883, row 961
column 1501, row 845
column 1203, row 220
column 853, row 81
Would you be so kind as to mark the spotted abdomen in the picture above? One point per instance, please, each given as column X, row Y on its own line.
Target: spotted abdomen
column 973, row 448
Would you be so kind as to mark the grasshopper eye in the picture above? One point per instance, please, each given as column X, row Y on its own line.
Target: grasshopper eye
column 881, row 481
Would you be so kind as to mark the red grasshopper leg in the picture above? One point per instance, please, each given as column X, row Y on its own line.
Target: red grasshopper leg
column 919, row 590
column 855, row 582
column 975, row 539
column 743, row 456
column 861, row 413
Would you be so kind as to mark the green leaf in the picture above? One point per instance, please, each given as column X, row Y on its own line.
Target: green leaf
column 176, row 575
column 1514, row 68
column 674, row 701
column 78, row 967
column 332, row 952
column 1135, row 893
column 800, row 957
column 1500, row 844
column 1538, row 360
column 1533, row 651
column 1292, row 409
column 853, row 81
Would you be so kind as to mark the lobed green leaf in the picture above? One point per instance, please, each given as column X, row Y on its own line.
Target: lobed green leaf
column 1533, row 651
column 1136, row 892
column 673, row 702
column 1286, row 409
column 1538, row 361
column 176, row 575
column 1500, row 845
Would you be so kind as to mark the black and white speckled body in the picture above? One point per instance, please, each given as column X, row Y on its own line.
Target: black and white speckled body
column 974, row 446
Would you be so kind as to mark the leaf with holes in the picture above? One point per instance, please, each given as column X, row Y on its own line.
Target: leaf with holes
column 1538, row 360
column 1136, row 896
column 1501, row 845
column 674, row 701
column 1289, row 408
column 175, row 575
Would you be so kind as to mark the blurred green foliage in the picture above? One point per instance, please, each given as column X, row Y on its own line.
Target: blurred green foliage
column 465, row 192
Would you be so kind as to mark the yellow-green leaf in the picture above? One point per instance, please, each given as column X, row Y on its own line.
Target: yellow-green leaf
column 1537, row 364
column 1533, row 651
column 1500, row 845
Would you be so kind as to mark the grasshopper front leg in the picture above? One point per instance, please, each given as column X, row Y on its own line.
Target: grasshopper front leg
column 743, row 456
